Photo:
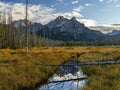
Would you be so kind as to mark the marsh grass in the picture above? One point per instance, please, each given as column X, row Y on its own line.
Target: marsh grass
column 102, row 77
column 19, row 71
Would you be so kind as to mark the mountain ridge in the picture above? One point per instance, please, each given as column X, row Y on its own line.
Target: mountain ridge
column 71, row 30
column 62, row 29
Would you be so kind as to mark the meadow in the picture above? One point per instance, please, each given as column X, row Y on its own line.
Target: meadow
column 20, row 71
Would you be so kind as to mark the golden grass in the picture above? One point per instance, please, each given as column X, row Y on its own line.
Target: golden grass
column 18, row 70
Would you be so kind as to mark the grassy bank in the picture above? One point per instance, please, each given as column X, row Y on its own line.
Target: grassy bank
column 106, row 77
column 18, row 70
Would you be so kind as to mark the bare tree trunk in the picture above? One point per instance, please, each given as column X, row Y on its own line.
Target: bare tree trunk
column 26, row 32
column 5, row 29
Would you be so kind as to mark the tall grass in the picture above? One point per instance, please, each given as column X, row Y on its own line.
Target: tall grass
column 19, row 71
column 106, row 77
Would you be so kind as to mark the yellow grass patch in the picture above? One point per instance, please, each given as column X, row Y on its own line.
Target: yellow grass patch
column 18, row 70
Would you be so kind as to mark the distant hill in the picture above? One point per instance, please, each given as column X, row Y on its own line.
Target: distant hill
column 114, row 33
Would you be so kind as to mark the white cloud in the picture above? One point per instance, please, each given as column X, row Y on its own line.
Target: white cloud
column 88, row 4
column 88, row 22
column 118, row 5
column 74, row 13
column 38, row 13
column 2, row 6
column 101, row 0
column 78, row 9
column 43, row 14
column 75, row 2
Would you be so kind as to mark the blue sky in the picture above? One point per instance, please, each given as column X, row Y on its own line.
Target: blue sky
column 90, row 12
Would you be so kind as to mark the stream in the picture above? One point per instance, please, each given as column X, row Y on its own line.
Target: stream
column 66, row 78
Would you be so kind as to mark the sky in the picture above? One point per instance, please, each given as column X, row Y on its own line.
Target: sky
column 89, row 12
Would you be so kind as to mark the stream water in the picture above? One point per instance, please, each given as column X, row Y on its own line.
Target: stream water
column 67, row 75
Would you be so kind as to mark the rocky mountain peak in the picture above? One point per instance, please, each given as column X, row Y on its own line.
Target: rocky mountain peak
column 59, row 21
column 60, row 17
column 73, row 18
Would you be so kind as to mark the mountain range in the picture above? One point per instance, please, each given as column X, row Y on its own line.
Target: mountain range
column 65, row 30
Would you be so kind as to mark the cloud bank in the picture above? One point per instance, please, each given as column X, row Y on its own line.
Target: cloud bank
column 43, row 14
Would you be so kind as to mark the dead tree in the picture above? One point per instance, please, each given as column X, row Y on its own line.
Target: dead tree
column 26, row 23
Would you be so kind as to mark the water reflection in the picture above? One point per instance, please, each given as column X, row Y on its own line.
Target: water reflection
column 67, row 78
